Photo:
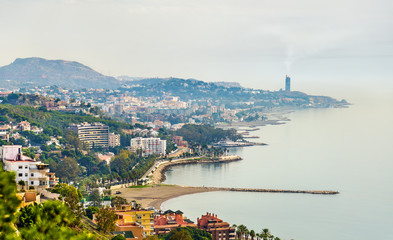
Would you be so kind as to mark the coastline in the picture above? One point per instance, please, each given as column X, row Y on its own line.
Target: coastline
column 157, row 193
column 157, row 176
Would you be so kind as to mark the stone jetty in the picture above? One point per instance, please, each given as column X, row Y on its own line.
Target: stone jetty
column 323, row 192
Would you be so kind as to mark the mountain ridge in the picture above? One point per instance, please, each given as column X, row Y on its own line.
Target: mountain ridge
column 41, row 71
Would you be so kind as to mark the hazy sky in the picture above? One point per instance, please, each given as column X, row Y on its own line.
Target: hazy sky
column 329, row 44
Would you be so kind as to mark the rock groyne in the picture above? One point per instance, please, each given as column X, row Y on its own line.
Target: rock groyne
column 323, row 192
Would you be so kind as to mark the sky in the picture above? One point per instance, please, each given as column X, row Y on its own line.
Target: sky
column 326, row 46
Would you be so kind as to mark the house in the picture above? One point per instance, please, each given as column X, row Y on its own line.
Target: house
column 33, row 173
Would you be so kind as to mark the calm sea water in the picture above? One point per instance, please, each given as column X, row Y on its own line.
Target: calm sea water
column 349, row 150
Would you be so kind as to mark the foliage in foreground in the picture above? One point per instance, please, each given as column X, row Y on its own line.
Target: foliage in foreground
column 48, row 220
column 185, row 233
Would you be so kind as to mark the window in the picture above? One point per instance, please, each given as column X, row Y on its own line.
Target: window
column 26, row 174
column 32, row 183
column 32, row 174
column 26, row 167
column 20, row 167
column 20, row 175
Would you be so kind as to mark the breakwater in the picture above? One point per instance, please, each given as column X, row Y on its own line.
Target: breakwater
column 323, row 192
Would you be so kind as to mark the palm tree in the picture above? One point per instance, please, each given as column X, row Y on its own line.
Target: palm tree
column 242, row 229
column 252, row 234
column 238, row 234
column 246, row 234
column 265, row 234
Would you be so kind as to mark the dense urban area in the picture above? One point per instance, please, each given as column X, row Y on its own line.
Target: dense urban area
column 69, row 153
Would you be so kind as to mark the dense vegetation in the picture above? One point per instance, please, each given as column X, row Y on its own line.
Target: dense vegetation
column 48, row 220
column 187, row 233
column 206, row 134
column 70, row 162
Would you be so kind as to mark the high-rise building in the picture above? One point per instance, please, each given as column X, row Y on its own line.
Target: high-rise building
column 114, row 140
column 149, row 146
column 287, row 83
column 95, row 134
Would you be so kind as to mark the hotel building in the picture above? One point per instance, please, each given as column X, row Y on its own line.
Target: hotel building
column 95, row 134
column 148, row 146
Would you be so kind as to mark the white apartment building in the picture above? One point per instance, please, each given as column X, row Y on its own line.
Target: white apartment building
column 148, row 146
column 114, row 140
column 33, row 173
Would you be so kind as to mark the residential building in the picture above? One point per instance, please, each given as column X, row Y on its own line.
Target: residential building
column 128, row 216
column 178, row 140
column 148, row 146
column 95, row 134
column 114, row 140
column 169, row 220
column 24, row 126
column 4, row 133
column 33, row 173
column 219, row 229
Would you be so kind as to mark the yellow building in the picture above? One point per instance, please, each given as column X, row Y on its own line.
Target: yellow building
column 128, row 216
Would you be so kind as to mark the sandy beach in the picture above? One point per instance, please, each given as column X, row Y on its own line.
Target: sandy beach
column 155, row 195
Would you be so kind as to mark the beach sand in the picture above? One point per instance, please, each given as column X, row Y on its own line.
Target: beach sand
column 154, row 196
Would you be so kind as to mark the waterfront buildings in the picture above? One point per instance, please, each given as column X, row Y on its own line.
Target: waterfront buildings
column 219, row 229
column 33, row 173
column 95, row 134
column 148, row 146
column 169, row 220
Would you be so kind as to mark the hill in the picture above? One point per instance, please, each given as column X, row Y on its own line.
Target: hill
column 42, row 72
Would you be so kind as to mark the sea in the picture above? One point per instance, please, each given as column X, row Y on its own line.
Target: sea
column 349, row 150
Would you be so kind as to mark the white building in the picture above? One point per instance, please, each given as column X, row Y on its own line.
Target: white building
column 148, row 146
column 33, row 173
column 114, row 140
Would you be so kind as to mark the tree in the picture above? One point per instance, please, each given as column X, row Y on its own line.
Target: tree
column 49, row 220
column 118, row 237
column 185, row 232
column 265, row 234
column 68, row 169
column 95, row 198
column 242, row 230
column 252, row 234
column 9, row 203
column 71, row 197
column 22, row 184
column 116, row 201
column 90, row 211
column 179, row 234
column 106, row 219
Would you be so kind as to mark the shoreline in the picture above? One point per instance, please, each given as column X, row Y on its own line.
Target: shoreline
column 158, row 174
column 157, row 193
